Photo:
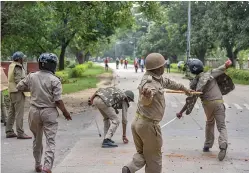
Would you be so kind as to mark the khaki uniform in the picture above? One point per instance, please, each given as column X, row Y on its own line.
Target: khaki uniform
column 4, row 86
column 214, row 108
column 45, row 89
column 3, row 109
column 145, row 128
column 17, row 99
column 108, row 101
column 213, row 84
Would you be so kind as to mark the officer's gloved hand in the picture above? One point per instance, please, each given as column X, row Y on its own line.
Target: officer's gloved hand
column 117, row 112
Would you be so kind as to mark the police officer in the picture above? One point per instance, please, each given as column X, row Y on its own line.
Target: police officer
column 150, row 111
column 212, row 101
column 17, row 98
column 108, row 101
column 117, row 63
column 46, row 92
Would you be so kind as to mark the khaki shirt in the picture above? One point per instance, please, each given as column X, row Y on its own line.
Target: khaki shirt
column 15, row 74
column 153, row 108
column 4, row 80
column 211, row 90
column 45, row 88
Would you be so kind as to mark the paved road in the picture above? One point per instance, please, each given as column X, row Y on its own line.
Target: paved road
column 79, row 147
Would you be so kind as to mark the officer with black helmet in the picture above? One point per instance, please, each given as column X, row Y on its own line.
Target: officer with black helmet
column 16, row 73
column 213, row 84
column 46, row 92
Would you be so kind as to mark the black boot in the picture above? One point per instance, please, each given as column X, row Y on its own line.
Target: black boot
column 112, row 141
column 107, row 143
column 205, row 149
column 126, row 170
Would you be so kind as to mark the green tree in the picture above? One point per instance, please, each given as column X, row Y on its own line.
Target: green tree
column 230, row 25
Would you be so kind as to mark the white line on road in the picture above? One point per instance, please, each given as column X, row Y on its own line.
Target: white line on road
column 247, row 106
column 238, row 106
column 173, row 104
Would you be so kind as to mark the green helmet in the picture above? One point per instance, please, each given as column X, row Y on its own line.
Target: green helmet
column 129, row 94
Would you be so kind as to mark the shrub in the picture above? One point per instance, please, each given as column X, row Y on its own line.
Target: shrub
column 90, row 64
column 66, row 63
column 63, row 75
column 78, row 70
column 206, row 68
column 242, row 75
column 71, row 65
column 173, row 66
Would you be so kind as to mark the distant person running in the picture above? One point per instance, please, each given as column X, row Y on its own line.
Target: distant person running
column 106, row 64
column 117, row 63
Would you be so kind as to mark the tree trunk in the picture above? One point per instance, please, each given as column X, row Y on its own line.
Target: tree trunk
column 87, row 56
column 62, row 56
column 80, row 57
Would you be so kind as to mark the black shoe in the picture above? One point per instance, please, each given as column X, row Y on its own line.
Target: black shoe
column 125, row 169
column 108, row 144
column 11, row 135
column 223, row 151
column 112, row 141
column 205, row 149
column 1, row 121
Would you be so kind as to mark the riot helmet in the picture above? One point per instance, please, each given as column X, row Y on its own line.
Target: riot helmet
column 195, row 66
column 18, row 55
column 48, row 61
column 154, row 61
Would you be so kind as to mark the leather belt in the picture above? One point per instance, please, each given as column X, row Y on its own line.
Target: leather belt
column 205, row 102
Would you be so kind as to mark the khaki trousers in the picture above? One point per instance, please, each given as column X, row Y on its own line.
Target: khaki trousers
column 148, row 141
column 111, row 120
column 215, row 112
column 16, row 112
column 3, row 109
column 43, row 120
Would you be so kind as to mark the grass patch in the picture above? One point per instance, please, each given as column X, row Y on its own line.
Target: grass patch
column 172, row 70
column 242, row 82
column 79, row 84
column 95, row 70
column 88, row 80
